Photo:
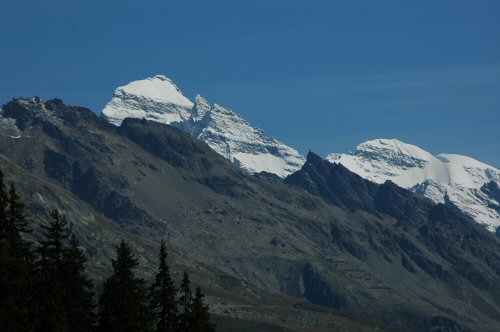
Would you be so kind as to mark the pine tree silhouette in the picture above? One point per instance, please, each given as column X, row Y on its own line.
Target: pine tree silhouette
column 123, row 305
column 17, row 273
column 51, row 291
column 200, row 321
column 163, row 296
column 185, row 300
column 78, row 288
column 16, row 226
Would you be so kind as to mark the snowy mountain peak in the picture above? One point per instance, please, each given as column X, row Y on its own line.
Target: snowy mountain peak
column 445, row 178
column 154, row 98
column 394, row 152
column 159, row 99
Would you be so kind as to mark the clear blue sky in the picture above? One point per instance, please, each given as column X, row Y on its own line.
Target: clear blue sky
column 317, row 74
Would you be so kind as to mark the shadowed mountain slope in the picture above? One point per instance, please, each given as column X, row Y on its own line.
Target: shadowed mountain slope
column 275, row 255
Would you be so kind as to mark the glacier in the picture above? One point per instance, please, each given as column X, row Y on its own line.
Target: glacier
column 470, row 185
column 158, row 99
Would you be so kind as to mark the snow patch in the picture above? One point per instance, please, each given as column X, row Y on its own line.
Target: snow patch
column 155, row 98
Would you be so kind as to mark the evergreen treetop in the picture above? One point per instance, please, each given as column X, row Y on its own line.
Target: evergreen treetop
column 163, row 296
column 123, row 306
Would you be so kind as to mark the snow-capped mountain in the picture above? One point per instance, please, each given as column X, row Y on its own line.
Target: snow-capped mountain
column 158, row 98
column 155, row 98
column 470, row 185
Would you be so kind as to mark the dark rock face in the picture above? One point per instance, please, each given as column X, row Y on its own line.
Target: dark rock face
column 24, row 111
column 167, row 145
column 400, row 203
column 493, row 191
column 319, row 291
column 444, row 229
column 344, row 240
column 334, row 182
column 57, row 166
column 443, row 324
column 341, row 187
column 323, row 234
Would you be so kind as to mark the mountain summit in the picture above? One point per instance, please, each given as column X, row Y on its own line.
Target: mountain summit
column 158, row 99
column 155, row 98
column 468, row 184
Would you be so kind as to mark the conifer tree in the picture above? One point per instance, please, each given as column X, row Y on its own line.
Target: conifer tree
column 65, row 297
column 52, row 309
column 4, row 199
column 16, row 226
column 163, row 296
column 4, row 278
column 200, row 321
column 78, row 290
column 185, row 300
column 123, row 306
column 16, row 264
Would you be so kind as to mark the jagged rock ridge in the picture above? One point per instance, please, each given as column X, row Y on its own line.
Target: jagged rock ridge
column 158, row 99
column 445, row 178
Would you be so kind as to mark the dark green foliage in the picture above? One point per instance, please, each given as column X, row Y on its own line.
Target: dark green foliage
column 185, row 314
column 65, row 296
column 163, row 296
column 123, row 306
column 49, row 289
column 200, row 321
column 50, row 294
column 16, row 264
column 79, row 294
column 185, row 300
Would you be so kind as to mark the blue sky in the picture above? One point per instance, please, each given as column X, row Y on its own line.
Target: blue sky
column 320, row 75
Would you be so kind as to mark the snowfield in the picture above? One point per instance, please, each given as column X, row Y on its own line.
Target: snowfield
column 443, row 178
column 159, row 99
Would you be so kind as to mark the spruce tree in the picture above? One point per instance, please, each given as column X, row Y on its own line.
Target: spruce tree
column 65, row 293
column 4, row 278
column 163, row 296
column 52, row 308
column 16, row 264
column 185, row 300
column 123, row 306
column 200, row 321
column 16, row 226
column 4, row 201
column 78, row 290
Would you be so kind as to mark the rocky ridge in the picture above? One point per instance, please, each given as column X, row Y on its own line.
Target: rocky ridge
column 446, row 178
column 158, row 99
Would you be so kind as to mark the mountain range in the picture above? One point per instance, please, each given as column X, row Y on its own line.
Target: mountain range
column 320, row 249
column 470, row 185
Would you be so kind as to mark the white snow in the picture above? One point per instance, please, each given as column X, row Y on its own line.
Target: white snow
column 456, row 177
column 158, row 98
column 264, row 162
column 231, row 136
column 8, row 127
column 155, row 98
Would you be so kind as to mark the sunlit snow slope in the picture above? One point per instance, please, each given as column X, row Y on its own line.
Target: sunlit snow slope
column 467, row 183
column 155, row 98
column 158, row 99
